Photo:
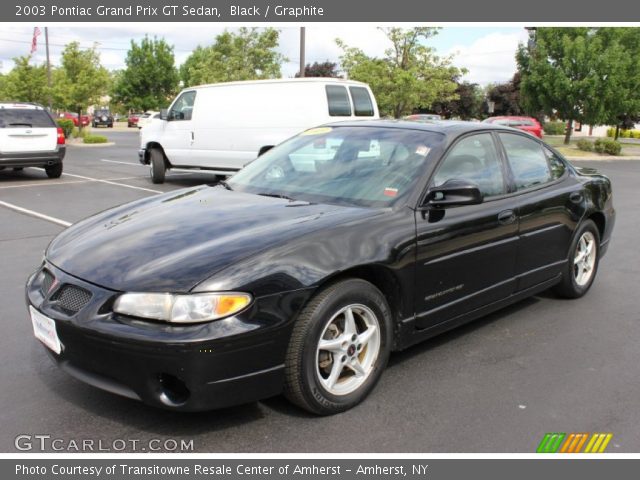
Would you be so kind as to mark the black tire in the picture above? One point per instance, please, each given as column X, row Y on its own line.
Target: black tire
column 569, row 286
column 157, row 165
column 302, row 384
column 54, row 171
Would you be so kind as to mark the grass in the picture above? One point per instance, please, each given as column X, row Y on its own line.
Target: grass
column 571, row 150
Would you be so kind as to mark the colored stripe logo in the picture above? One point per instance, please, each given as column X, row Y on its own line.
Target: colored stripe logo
column 574, row 443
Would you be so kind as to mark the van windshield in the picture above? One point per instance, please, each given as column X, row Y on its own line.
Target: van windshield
column 362, row 166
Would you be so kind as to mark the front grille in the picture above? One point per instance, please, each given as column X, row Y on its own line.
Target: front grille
column 47, row 281
column 70, row 298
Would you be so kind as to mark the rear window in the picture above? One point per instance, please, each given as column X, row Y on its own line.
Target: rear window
column 23, row 117
column 338, row 98
column 362, row 105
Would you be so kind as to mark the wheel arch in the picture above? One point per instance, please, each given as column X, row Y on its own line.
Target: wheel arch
column 599, row 219
column 147, row 155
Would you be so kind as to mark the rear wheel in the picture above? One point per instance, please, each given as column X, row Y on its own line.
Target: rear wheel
column 582, row 265
column 339, row 347
column 157, row 166
column 54, row 171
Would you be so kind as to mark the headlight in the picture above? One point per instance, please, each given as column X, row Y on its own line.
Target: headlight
column 193, row 308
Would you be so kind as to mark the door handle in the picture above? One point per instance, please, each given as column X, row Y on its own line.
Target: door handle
column 506, row 217
column 575, row 197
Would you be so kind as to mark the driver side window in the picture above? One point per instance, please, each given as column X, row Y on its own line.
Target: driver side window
column 182, row 108
column 474, row 159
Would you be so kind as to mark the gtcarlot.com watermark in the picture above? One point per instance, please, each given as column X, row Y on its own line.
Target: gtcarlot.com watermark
column 49, row 443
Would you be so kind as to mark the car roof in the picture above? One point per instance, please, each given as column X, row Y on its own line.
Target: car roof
column 25, row 105
column 280, row 81
column 449, row 128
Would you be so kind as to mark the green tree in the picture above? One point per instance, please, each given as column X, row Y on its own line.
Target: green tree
column 506, row 97
column 248, row 54
column 324, row 69
column 26, row 82
column 81, row 81
column 408, row 76
column 570, row 72
column 150, row 78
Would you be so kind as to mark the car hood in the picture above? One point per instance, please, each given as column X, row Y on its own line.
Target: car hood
column 172, row 242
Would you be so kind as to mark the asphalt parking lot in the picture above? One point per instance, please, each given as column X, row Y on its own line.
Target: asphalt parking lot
column 496, row 385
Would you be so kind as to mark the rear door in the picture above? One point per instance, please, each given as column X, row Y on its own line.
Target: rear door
column 548, row 203
column 27, row 129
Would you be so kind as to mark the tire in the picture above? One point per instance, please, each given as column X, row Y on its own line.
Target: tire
column 157, row 165
column 311, row 381
column 54, row 171
column 578, row 278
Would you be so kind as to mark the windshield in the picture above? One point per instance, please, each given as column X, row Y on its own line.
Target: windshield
column 363, row 166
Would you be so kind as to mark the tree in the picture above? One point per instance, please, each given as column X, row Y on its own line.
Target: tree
column 571, row 72
column 623, row 107
column 324, row 69
column 25, row 82
column 81, row 80
column 409, row 75
column 249, row 54
column 506, row 97
column 150, row 78
column 468, row 105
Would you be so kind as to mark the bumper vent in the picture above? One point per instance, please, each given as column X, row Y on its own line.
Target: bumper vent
column 47, row 281
column 71, row 299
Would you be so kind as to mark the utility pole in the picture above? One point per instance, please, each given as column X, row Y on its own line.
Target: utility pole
column 302, row 61
column 46, row 41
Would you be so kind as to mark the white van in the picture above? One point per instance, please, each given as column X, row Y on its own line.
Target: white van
column 222, row 127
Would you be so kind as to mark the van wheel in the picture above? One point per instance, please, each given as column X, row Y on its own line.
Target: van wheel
column 339, row 347
column 54, row 171
column 157, row 165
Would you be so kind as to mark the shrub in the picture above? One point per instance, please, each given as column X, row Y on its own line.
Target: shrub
column 555, row 128
column 598, row 145
column 611, row 132
column 66, row 125
column 612, row 147
column 585, row 145
column 94, row 139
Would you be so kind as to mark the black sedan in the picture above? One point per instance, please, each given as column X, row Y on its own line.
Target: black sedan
column 308, row 267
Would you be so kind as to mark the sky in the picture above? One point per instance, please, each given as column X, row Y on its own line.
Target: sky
column 486, row 52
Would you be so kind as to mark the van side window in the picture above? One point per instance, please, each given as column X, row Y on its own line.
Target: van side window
column 338, row 98
column 182, row 108
column 362, row 105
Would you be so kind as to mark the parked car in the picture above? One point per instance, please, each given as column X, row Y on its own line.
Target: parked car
column 102, row 117
column 85, row 119
column 223, row 126
column 423, row 117
column 146, row 118
column 526, row 124
column 29, row 137
column 132, row 119
column 309, row 266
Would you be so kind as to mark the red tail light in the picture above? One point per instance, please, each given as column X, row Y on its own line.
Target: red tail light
column 60, row 136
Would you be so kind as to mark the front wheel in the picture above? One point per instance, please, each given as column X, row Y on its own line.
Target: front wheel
column 339, row 347
column 157, row 166
column 582, row 265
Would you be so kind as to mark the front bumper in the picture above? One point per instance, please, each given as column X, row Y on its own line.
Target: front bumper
column 142, row 156
column 33, row 159
column 182, row 367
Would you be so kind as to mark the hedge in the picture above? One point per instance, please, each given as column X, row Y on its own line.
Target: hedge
column 66, row 125
column 94, row 139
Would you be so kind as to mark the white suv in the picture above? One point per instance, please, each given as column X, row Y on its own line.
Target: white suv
column 29, row 137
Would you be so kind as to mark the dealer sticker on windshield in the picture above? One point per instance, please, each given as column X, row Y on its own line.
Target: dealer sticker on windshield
column 44, row 328
column 316, row 131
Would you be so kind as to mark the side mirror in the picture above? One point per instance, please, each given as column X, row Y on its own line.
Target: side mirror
column 264, row 149
column 454, row 192
column 164, row 114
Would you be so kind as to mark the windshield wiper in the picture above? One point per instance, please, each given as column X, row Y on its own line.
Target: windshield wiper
column 276, row 195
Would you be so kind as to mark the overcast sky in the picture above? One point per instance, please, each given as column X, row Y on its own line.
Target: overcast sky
column 487, row 52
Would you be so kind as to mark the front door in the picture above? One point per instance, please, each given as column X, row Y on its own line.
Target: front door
column 178, row 135
column 466, row 254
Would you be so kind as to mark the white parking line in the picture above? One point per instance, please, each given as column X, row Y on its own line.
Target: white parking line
column 172, row 172
column 113, row 183
column 31, row 213
column 43, row 184
column 124, row 163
